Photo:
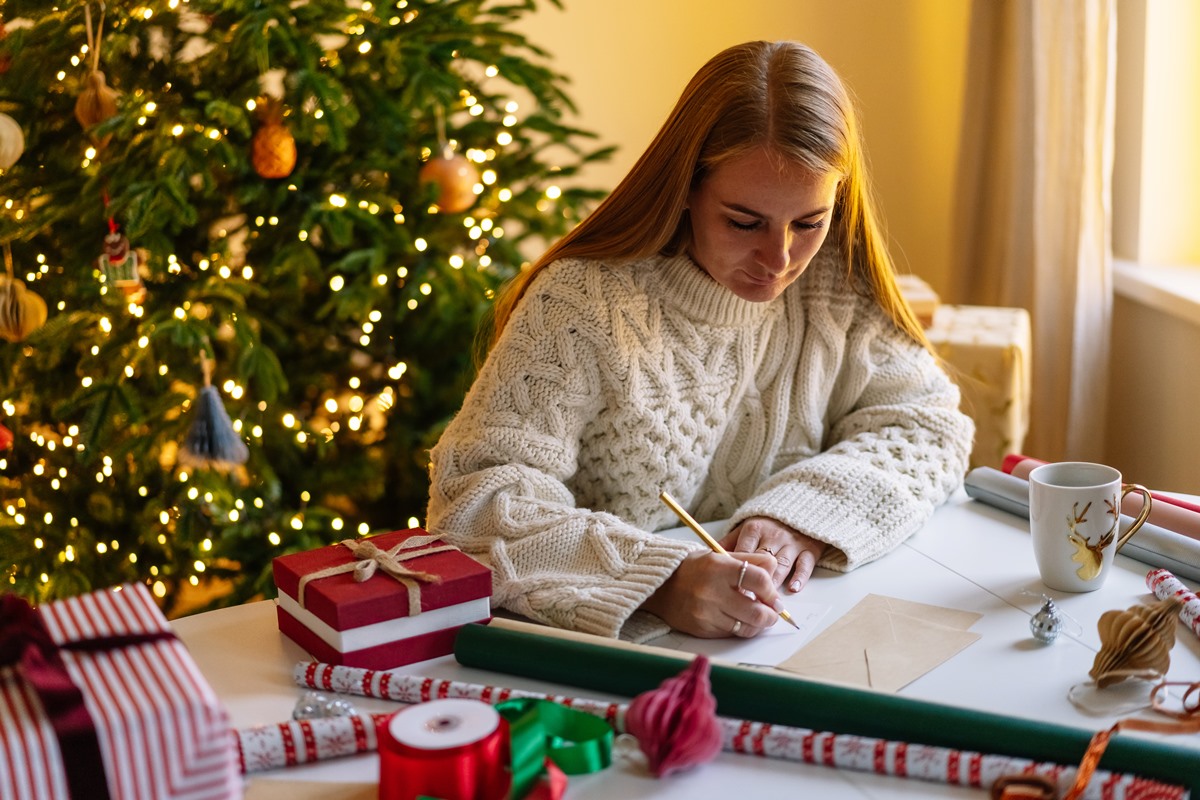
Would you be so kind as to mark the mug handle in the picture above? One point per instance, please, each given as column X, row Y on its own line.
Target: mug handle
column 1142, row 516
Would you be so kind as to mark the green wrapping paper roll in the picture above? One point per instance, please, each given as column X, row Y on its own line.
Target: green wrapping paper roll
column 765, row 696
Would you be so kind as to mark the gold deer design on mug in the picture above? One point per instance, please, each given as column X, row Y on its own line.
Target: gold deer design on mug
column 1090, row 556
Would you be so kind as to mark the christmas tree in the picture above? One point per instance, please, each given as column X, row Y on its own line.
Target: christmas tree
column 265, row 233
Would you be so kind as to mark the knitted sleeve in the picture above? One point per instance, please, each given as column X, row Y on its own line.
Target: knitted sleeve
column 500, row 472
column 897, row 446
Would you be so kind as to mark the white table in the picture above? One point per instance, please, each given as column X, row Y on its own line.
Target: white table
column 970, row 556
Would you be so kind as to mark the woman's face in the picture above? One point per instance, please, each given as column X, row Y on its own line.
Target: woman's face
column 758, row 221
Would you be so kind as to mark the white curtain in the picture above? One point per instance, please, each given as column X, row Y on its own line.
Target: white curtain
column 1033, row 227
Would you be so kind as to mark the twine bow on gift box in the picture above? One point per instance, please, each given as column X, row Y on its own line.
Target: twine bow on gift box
column 371, row 559
column 27, row 646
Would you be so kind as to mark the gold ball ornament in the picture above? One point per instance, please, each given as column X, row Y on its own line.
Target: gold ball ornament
column 12, row 141
column 273, row 150
column 455, row 178
column 96, row 103
column 21, row 311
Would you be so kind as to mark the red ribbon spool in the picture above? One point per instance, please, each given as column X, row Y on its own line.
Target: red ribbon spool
column 454, row 749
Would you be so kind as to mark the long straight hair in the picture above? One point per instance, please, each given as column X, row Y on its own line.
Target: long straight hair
column 781, row 96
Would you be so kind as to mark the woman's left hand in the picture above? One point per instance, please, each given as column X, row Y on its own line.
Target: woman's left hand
column 795, row 554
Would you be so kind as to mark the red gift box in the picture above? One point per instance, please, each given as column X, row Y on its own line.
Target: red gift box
column 96, row 688
column 382, row 601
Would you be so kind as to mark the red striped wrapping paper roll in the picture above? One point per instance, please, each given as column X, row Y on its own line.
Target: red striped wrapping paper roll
column 1164, row 585
column 295, row 742
column 840, row 751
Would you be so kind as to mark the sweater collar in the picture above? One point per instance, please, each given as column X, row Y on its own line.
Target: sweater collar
column 692, row 290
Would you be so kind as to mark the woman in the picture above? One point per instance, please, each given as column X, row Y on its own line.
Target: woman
column 725, row 327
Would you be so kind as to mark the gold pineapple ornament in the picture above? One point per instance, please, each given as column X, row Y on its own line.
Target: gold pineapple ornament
column 273, row 148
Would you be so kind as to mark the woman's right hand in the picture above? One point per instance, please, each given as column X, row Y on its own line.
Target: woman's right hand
column 710, row 596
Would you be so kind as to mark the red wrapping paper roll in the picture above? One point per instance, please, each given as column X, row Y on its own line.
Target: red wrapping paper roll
column 453, row 748
column 1165, row 585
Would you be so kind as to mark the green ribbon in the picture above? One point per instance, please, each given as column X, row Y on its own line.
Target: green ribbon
column 576, row 742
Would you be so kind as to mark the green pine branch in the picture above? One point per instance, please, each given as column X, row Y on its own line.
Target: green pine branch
column 338, row 308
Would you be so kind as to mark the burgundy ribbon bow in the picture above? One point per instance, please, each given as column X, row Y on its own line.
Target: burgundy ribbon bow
column 25, row 644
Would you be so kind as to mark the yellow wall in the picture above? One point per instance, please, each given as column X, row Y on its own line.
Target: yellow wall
column 1153, row 386
column 627, row 61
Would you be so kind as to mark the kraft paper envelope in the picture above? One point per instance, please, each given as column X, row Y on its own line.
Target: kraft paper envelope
column 884, row 643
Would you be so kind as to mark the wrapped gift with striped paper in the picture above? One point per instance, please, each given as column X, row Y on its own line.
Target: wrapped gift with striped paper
column 98, row 699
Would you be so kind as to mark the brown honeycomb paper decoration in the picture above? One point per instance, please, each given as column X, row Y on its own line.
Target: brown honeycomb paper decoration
column 1135, row 643
column 22, row 311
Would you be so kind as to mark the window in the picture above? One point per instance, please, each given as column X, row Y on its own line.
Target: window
column 1156, row 170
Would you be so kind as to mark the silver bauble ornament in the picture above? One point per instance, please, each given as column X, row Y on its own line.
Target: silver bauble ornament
column 1046, row 623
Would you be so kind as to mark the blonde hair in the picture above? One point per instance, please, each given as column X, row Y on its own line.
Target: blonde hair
column 778, row 95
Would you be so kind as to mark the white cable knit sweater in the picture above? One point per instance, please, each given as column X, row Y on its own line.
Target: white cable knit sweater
column 611, row 384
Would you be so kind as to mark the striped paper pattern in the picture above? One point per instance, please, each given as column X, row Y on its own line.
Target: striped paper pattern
column 289, row 744
column 838, row 750
column 163, row 733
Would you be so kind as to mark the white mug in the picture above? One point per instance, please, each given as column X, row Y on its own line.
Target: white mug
column 1075, row 520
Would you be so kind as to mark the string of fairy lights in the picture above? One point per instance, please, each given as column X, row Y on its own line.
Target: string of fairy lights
column 348, row 409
